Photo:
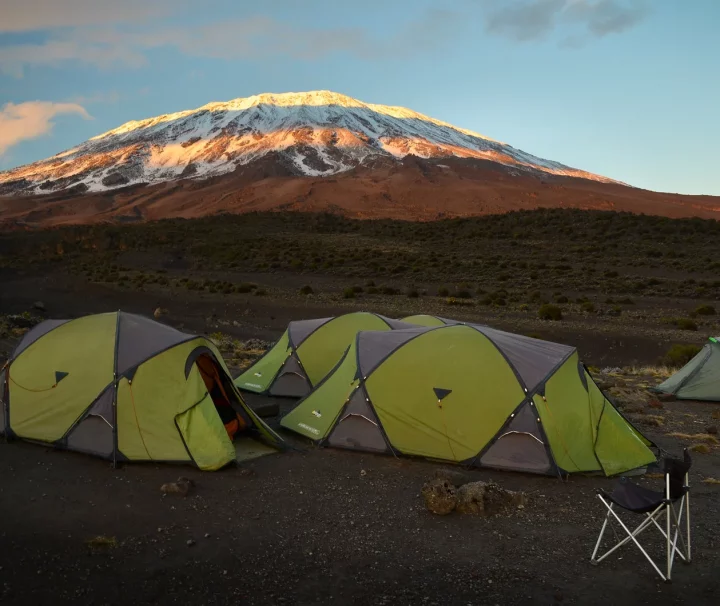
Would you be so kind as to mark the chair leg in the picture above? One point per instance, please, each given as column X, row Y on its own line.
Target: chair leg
column 662, row 532
column 667, row 538
column 687, row 522
column 602, row 532
column 631, row 537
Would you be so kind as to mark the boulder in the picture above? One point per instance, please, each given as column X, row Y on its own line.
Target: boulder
column 159, row 312
column 183, row 486
column 487, row 499
column 454, row 476
column 440, row 496
column 39, row 305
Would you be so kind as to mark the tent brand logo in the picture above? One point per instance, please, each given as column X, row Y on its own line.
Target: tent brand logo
column 312, row 430
column 255, row 385
column 317, row 413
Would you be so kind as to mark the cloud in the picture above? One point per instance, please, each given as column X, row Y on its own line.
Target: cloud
column 31, row 120
column 525, row 20
column 34, row 15
column 257, row 37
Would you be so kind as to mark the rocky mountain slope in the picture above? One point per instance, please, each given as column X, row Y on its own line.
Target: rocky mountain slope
column 314, row 151
column 314, row 134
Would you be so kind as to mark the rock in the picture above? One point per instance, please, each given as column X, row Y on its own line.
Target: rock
column 183, row 486
column 487, row 499
column 21, row 322
column 440, row 496
column 454, row 476
column 39, row 305
column 160, row 312
column 190, row 543
column 712, row 430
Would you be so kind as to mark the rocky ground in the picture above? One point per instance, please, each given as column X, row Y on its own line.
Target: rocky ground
column 320, row 526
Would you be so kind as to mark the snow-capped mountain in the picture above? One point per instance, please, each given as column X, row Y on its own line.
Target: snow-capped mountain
column 313, row 134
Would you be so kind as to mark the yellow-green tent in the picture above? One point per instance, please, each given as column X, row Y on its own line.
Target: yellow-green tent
column 426, row 320
column 307, row 351
column 125, row 388
column 473, row 395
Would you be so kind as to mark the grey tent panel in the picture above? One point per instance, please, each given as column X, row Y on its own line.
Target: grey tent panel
column 519, row 452
column 704, row 382
column 302, row 329
column 533, row 359
column 376, row 345
column 358, row 429
column 140, row 338
column 397, row 324
column 94, row 433
column 35, row 333
column 525, row 421
column 291, row 381
column 519, row 445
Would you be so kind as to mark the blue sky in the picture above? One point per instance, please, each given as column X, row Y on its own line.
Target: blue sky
column 629, row 89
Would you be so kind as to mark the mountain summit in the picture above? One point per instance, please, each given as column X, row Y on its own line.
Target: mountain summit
column 312, row 134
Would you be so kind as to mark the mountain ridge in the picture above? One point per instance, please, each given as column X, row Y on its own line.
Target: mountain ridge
column 322, row 133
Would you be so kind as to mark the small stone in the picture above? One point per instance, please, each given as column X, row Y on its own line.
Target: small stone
column 363, row 472
column 190, row 543
column 712, row 430
column 440, row 496
column 39, row 305
column 207, row 535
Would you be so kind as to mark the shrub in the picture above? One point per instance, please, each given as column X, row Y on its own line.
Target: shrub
column 306, row 290
column 412, row 293
column 245, row 287
column 463, row 294
column 443, row 292
column 705, row 310
column 588, row 307
column 685, row 324
column 372, row 290
column 550, row 312
column 561, row 299
column 524, row 307
column 681, row 323
column 680, row 354
column 349, row 293
column 454, row 301
column 357, row 289
column 260, row 292
column 389, row 290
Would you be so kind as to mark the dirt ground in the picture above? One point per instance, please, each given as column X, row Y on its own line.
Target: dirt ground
column 322, row 526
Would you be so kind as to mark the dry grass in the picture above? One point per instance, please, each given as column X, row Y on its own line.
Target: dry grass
column 700, row 448
column 654, row 420
column 711, row 481
column 101, row 541
column 699, row 437
column 659, row 372
column 716, row 414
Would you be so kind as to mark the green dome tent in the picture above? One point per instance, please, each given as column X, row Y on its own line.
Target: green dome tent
column 472, row 395
column 699, row 379
column 307, row 351
column 125, row 388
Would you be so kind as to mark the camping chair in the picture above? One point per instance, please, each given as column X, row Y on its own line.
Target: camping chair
column 654, row 505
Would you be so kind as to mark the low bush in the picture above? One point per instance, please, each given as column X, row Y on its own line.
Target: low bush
column 260, row 292
column 412, row 293
column 463, row 294
column 349, row 293
column 705, row 310
column 550, row 312
column 306, row 290
column 443, row 292
column 680, row 354
column 588, row 307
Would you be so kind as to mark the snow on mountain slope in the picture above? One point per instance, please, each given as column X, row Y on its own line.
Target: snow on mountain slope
column 317, row 133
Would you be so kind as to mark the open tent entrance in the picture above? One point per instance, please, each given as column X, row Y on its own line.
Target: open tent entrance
column 223, row 395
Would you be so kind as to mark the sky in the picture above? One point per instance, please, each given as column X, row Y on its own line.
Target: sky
column 629, row 89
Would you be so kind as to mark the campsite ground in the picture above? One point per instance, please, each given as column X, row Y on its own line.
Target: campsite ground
column 320, row 526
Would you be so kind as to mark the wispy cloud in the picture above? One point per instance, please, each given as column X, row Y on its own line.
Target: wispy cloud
column 249, row 38
column 526, row 20
column 34, row 15
column 32, row 119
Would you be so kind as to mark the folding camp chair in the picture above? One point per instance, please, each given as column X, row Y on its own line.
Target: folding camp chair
column 654, row 505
